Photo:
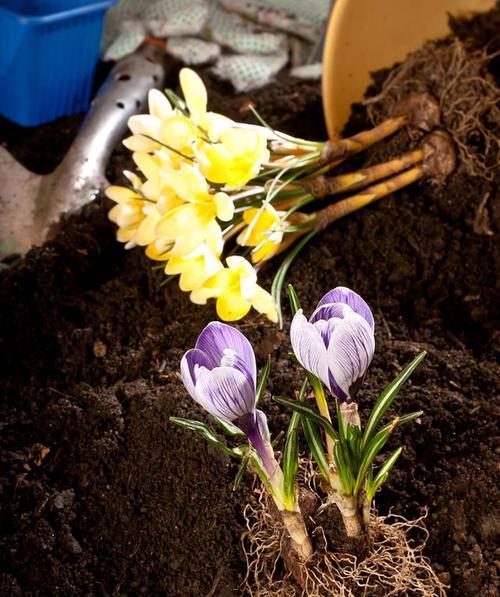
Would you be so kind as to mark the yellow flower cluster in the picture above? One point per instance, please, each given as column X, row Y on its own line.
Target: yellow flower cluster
column 175, row 213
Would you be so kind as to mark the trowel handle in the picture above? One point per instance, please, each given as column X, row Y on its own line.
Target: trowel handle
column 123, row 94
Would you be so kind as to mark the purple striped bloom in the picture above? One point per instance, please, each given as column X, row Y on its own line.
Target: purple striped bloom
column 220, row 374
column 337, row 343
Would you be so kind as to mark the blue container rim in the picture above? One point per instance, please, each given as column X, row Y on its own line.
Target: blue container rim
column 57, row 16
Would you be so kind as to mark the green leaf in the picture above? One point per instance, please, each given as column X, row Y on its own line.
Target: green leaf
column 387, row 397
column 342, row 429
column 228, row 429
column 398, row 421
column 354, row 444
column 344, row 468
column 309, row 412
column 279, row 278
column 294, row 299
column 241, row 471
column 208, row 435
column 313, row 439
column 291, row 457
column 382, row 475
column 264, row 376
column 368, row 455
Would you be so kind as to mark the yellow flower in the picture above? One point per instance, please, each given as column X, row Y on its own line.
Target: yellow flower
column 210, row 124
column 193, row 222
column 139, row 209
column 236, row 158
column 162, row 127
column 264, row 231
column 236, row 290
column 194, row 268
column 131, row 211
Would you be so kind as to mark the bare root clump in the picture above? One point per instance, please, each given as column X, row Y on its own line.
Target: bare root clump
column 457, row 77
column 394, row 566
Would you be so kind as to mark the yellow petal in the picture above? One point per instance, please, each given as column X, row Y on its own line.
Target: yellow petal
column 148, row 165
column 121, row 194
column 241, row 265
column 265, row 251
column 140, row 143
column 186, row 226
column 216, row 123
column 215, row 162
column 178, row 132
column 231, row 306
column 135, row 181
column 125, row 216
column 187, row 182
column 144, row 124
column 123, row 235
column 158, row 253
column 224, row 207
column 214, row 239
column 264, row 303
column 146, row 231
column 159, row 105
column 193, row 277
column 211, row 288
column 194, row 92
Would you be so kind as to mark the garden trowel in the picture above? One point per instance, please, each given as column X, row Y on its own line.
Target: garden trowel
column 31, row 204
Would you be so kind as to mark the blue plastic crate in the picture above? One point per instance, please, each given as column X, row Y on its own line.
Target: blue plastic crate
column 48, row 53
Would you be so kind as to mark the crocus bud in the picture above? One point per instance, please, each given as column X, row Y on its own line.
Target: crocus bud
column 337, row 343
column 220, row 374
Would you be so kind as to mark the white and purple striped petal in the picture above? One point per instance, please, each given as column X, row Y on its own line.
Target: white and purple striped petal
column 341, row 294
column 309, row 346
column 350, row 352
column 337, row 343
column 225, row 393
column 217, row 339
column 192, row 359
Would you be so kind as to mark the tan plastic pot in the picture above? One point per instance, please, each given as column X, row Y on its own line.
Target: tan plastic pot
column 366, row 35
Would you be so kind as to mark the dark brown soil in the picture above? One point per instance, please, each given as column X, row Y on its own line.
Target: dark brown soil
column 101, row 495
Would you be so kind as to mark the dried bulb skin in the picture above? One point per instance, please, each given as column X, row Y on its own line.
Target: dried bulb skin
column 440, row 155
column 422, row 109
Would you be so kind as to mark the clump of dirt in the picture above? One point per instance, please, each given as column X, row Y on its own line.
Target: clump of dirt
column 101, row 495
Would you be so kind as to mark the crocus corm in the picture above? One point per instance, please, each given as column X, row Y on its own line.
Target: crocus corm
column 337, row 343
column 220, row 374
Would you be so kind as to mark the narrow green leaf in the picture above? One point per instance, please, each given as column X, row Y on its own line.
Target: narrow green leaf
column 313, row 439
column 382, row 474
column 264, row 376
column 354, row 445
column 228, row 429
column 208, row 435
column 279, row 278
column 307, row 411
column 342, row 429
column 294, row 299
column 281, row 135
column 398, row 421
column 291, row 457
column 241, row 471
column 367, row 457
column 387, row 397
column 344, row 469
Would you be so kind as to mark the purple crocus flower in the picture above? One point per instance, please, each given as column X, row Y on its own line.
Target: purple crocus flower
column 220, row 374
column 337, row 343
